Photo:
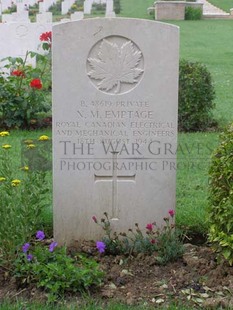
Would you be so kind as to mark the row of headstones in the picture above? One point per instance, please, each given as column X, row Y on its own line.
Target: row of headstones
column 109, row 7
column 44, row 17
column 22, row 14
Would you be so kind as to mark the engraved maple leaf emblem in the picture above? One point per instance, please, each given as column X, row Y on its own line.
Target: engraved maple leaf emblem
column 115, row 65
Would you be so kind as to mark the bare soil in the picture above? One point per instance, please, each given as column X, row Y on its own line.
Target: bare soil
column 195, row 280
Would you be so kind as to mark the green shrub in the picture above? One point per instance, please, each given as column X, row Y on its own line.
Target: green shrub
column 23, row 90
column 50, row 268
column 117, row 6
column 166, row 242
column 56, row 8
column 221, row 197
column 192, row 13
column 98, row 7
column 196, row 95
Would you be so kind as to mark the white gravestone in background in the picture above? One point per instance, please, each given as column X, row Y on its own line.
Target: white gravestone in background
column 114, row 124
column 18, row 38
column 109, row 9
column 66, row 5
column 87, row 6
column 45, row 17
column 5, row 4
column 77, row 16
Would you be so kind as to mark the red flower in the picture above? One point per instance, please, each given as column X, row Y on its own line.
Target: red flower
column 171, row 212
column 17, row 73
column 36, row 83
column 46, row 36
column 149, row 227
column 94, row 219
column 153, row 241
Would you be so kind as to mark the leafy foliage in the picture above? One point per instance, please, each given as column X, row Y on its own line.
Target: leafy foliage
column 53, row 270
column 192, row 13
column 76, row 6
column 117, row 6
column 23, row 198
column 22, row 93
column 56, row 8
column 165, row 243
column 221, row 197
column 196, row 95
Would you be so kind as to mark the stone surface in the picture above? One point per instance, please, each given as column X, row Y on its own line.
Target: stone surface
column 169, row 10
column 66, row 5
column 115, row 124
column 109, row 6
column 77, row 16
column 87, row 6
column 19, row 38
column 45, row 17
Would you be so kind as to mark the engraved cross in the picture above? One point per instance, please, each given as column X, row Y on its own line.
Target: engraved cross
column 114, row 179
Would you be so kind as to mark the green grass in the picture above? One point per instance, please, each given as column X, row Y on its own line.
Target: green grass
column 225, row 5
column 192, row 175
column 85, row 304
column 193, row 158
column 136, row 8
column 211, row 43
column 15, row 139
column 207, row 41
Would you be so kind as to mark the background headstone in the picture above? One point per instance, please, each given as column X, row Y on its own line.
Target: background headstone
column 77, row 16
column 43, row 18
column 115, row 124
column 19, row 38
column 87, row 6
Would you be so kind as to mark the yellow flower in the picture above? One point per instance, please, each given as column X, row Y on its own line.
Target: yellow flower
column 28, row 141
column 25, row 168
column 43, row 138
column 6, row 146
column 31, row 146
column 4, row 133
column 2, row 179
column 15, row 182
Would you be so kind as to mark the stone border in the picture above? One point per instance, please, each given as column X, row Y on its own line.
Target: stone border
column 173, row 10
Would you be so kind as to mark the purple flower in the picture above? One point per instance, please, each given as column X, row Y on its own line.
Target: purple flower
column 100, row 246
column 25, row 247
column 29, row 257
column 40, row 235
column 52, row 246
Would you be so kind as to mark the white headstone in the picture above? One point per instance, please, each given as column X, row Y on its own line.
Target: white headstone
column 18, row 38
column 6, row 4
column 8, row 18
column 20, row 7
column 46, row 17
column 109, row 6
column 21, row 17
column 109, row 9
column 115, row 124
column 110, row 14
column 66, row 5
column 77, row 16
column 42, row 7
column 87, row 6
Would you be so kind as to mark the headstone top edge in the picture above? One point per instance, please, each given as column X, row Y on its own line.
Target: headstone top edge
column 115, row 21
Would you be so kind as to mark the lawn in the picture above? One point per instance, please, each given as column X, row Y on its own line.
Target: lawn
column 135, row 8
column 211, row 43
column 225, row 5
